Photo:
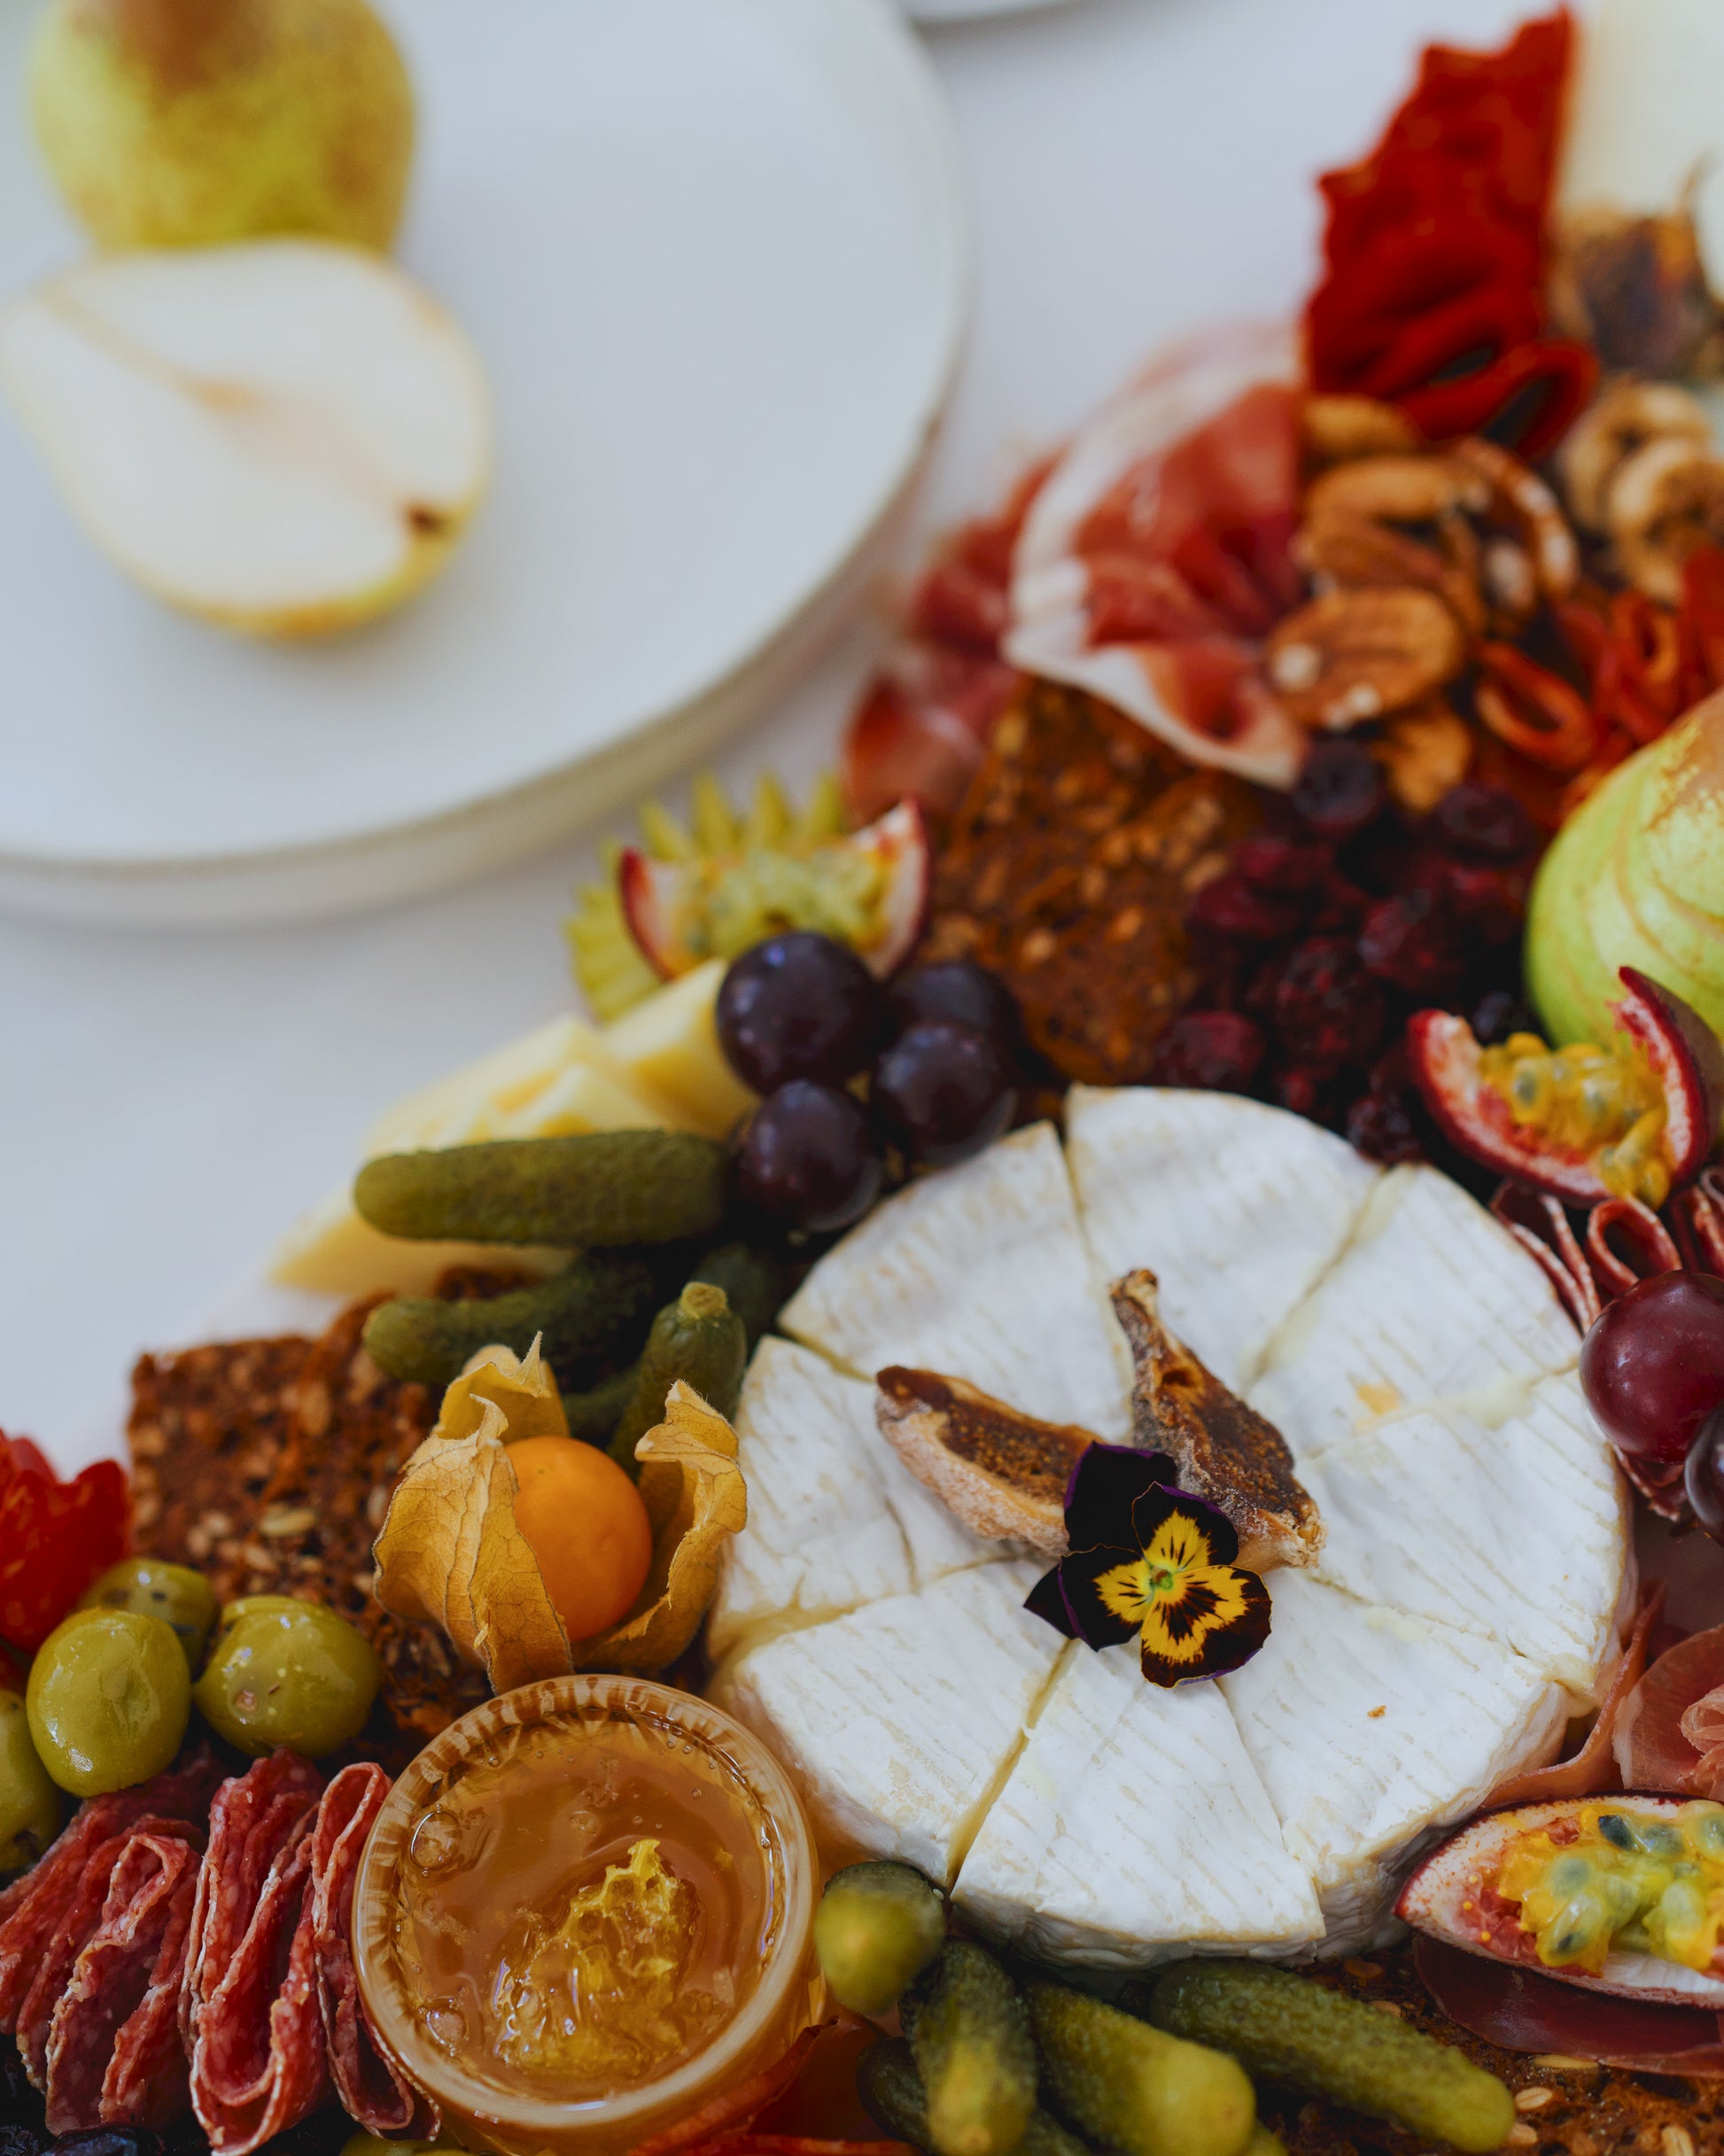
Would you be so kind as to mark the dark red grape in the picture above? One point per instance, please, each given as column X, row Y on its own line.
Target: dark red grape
column 1216, row 1051
column 959, row 991
column 1341, row 788
column 808, row 1157
column 1653, row 1364
column 1485, row 821
column 799, row 1006
column 943, row 1091
column 1703, row 1475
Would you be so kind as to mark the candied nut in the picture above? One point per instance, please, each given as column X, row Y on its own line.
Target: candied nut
column 1334, row 429
column 1665, row 500
column 1423, row 753
column 1612, row 429
column 1520, row 499
column 1349, row 656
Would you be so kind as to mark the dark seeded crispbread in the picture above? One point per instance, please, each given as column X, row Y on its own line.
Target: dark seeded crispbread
column 267, row 1465
column 1068, row 868
column 1565, row 2108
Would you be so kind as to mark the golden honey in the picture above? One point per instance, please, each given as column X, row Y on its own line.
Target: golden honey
column 585, row 1903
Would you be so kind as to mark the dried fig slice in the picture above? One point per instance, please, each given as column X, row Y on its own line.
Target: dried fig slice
column 1665, row 500
column 1225, row 1451
column 1608, row 433
column 1003, row 1473
column 1353, row 655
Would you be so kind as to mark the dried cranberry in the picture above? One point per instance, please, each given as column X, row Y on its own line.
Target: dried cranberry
column 1500, row 1012
column 1341, row 788
column 1328, row 1010
column 1385, row 1126
column 1485, row 821
column 1409, row 943
column 1306, row 1093
column 1218, row 1051
column 1229, row 906
column 1393, row 1071
column 1281, row 865
column 1339, row 907
column 1483, row 902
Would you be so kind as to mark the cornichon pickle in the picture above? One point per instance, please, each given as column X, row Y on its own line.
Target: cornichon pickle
column 757, row 1281
column 971, row 2043
column 594, row 1313
column 593, row 1414
column 698, row 1338
column 595, row 1191
column 1286, row 2026
column 877, row 1929
column 891, row 2092
column 1134, row 2087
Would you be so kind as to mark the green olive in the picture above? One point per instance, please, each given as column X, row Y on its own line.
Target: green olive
column 175, row 1593
column 29, row 1804
column 109, row 1697
column 287, row 1672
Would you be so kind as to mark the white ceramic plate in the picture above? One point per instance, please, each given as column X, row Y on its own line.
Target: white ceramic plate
column 716, row 256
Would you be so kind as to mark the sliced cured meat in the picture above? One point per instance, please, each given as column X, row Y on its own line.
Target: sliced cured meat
column 1654, row 1743
column 368, row 2086
column 250, row 2005
column 1521, row 2010
column 113, row 2055
column 1155, row 558
column 50, row 1915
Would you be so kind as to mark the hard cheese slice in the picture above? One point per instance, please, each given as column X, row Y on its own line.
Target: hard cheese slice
column 1369, row 1727
column 1520, row 1532
column 834, row 1517
column 1133, row 1827
column 979, row 1273
column 901, row 1720
column 1235, row 1208
column 1431, row 1300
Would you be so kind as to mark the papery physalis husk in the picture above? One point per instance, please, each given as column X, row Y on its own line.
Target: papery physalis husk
column 450, row 1554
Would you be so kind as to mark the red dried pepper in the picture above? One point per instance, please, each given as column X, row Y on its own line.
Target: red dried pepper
column 1432, row 296
column 1534, row 712
column 55, row 1537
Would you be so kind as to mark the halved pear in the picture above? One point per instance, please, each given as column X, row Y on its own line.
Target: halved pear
column 286, row 436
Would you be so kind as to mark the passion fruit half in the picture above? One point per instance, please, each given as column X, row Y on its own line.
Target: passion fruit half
column 869, row 890
column 1635, row 1120
column 1578, row 1864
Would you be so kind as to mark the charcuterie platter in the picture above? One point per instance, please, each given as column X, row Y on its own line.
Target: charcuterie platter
column 1056, row 1485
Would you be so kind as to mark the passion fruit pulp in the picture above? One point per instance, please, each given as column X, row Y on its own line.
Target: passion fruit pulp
column 1637, row 1119
column 868, row 889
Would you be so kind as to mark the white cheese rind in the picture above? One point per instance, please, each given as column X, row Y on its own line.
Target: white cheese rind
column 1431, row 1300
column 835, row 1519
column 979, row 1273
column 1370, row 1729
column 899, row 1720
column 1235, row 1208
column 1520, row 1532
column 1133, row 1828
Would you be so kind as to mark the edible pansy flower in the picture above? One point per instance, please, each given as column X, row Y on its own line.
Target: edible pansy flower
column 1149, row 1560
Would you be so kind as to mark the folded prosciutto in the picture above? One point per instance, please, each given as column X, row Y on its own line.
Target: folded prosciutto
column 1155, row 558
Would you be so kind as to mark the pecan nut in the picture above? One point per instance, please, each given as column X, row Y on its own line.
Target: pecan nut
column 1335, row 429
column 1352, row 655
column 1423, row 753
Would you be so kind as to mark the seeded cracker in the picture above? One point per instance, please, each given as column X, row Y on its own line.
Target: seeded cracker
column 1069, row 869
column 267, row 1465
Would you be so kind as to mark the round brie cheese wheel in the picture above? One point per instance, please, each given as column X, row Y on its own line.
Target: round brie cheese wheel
column 1472, row 1584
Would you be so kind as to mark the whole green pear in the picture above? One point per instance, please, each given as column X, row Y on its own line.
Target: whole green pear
column 184, row 123
column 1635, row 877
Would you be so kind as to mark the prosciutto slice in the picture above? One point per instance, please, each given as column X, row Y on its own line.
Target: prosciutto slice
column 1155, row 559
column 249, row 2008
column 368, row 2085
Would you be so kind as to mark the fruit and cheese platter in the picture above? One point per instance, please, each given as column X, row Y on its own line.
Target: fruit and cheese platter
column 1055, row 1486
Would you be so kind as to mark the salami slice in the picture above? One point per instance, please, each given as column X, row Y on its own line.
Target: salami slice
column 112, row 2055
column 367, row 2084
column 48, row 1916
column 259, row 2062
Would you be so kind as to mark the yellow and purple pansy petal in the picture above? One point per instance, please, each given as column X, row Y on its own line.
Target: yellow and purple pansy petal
column 1105, row 1483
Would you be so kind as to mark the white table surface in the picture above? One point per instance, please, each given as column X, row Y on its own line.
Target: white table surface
column 168, row 1102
